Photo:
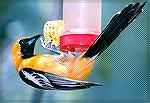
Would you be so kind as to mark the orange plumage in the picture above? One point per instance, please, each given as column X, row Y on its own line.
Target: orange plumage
column 71, row 67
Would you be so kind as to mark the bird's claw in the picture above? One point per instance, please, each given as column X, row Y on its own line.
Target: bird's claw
column 53, row 49
column 49, row 48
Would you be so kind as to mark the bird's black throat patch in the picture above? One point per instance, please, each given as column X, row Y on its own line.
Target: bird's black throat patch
column 26, row 49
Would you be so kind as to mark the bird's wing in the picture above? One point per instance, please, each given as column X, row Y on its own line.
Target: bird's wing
column 49, row 81
column 117, row 24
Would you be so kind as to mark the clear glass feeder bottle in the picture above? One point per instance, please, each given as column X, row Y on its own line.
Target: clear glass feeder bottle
column 82, row 24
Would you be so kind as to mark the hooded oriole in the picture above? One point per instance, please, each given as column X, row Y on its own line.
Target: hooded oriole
column 49, row 71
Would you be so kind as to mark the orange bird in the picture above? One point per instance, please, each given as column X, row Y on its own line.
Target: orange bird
column 63, row 71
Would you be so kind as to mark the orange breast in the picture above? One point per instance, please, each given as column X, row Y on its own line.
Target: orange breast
column 77, row 69
column 46, row 63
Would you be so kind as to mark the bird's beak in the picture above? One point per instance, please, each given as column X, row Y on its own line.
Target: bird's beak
column 31, row 41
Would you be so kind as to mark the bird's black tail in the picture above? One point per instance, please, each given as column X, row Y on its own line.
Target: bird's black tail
column 117, row 24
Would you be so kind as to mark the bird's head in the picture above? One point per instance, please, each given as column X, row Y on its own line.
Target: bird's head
column 23, row 48
column 27, row 46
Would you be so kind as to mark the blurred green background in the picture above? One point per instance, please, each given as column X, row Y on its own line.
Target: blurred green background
column 123, row 68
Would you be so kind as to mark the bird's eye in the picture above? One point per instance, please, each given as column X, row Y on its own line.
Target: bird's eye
column 21, row 42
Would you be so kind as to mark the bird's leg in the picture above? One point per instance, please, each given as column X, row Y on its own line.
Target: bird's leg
column 49, row 48
column 45, row 45
column 53, row 49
